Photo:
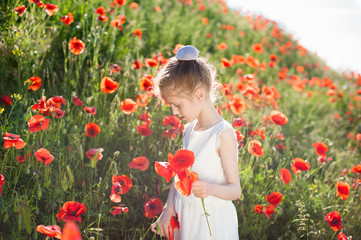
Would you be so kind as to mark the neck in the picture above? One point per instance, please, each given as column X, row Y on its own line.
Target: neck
column 208, row 116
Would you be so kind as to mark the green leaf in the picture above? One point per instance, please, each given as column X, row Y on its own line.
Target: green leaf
column 71, row 176
column 26, row 216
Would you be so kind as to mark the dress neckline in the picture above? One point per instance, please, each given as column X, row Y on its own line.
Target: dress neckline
column 205, row 130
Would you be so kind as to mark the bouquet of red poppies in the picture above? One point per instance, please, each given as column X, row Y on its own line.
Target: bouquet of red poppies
column 177, row 166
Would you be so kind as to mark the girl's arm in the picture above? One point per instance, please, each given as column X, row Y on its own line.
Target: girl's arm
column 168, row 212
column 228, row 152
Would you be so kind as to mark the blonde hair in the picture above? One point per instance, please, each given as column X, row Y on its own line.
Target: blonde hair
column 185, row 76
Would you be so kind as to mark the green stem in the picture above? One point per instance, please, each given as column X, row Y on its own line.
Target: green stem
column 206, row 214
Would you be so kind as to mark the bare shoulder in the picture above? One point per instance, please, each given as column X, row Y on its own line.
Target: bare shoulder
column 227, row 142
column 227, row 134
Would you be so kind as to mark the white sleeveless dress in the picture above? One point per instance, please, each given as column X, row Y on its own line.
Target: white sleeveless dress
column 223, row 216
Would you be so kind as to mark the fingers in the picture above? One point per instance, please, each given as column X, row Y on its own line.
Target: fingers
column 199, row 189
column 163, row 230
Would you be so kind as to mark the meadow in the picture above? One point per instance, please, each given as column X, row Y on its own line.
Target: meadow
column 82, row 127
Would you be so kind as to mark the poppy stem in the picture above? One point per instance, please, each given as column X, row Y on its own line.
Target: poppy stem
column 206, row 214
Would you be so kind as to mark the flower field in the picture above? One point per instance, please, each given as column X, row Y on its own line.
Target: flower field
column 82, row 128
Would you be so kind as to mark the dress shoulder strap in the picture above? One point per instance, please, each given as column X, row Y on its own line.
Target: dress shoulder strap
column 187, row 133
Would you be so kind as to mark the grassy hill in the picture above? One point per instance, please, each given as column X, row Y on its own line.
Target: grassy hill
column 260, row 68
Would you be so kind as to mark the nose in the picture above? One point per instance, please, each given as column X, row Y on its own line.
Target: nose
column 175, row 111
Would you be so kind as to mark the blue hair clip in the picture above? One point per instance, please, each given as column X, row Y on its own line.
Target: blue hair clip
column 187, row 53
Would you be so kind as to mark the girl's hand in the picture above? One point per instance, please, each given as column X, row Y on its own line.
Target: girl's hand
column 164, row 223
column 202, row 189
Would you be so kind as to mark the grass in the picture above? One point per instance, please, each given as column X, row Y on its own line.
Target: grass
column 36, row 44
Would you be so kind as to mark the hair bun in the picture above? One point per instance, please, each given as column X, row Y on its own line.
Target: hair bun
column 187, row 53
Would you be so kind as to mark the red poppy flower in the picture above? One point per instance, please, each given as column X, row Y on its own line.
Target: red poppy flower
column 76, row 46
column 120, row 2
column 357, row 169
column 142, row 100
column 13, row 140
column 43, row 155
column 38, row 122
column 118, row 22
column 20, row 10
column 91, row 110
column 222, row 46
column 237, row 105
column 173, row 121
column 50, row 231
column 38, row 2
column 274, row 198
column 285, row 176
column 147, row 83
column 94, row 151
column 20, row 159
column 320, row 148
column 115, row 68
column 278, row 118
column 258, row 209
column 177, row 47
column 107, row 85
column 71, row 211
column 59, row 113
column 343, row 190
column 171, row 133
column 6, row 100
column 50, row 9
column 324, row 159
column 128, row 106
column 174, row 223
column 103, row 18
column 334, row 220
column 239, row 136
column 153, row 207
column 2, row 182
column 226, row 63
column 56, row 101
column 269, row 211
column 68, row 19
column 183, row 181
column 164, row 169
column 157, row 9
column 43, row 107
column 141, row 163
column 238, row 122
column 144, row 117
column 299, row 165
column 71, row 232
column 115, row 194
column 92, row 129
column 257, row 48
column 119, row 210
column 138, row 33
column 205, row 21
column 273, row 57
column 144, row 129
column 125, row 183
column 150, row 62
column 133, row 5
column 35, row 83
column 181, row 160
column 342, row 236
column 238, row 59
column 77, row 101
column 137, row 64
column 255, row 148
column 100, row 11
column 258, row 132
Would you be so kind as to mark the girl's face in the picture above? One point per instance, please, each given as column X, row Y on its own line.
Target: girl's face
column 185, row 108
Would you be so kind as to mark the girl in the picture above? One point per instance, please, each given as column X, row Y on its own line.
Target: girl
column 186, row 84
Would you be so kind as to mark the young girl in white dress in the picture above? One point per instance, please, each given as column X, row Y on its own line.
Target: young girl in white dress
column 186, row 84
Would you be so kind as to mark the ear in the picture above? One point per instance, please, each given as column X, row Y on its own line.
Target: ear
column 199, row 94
